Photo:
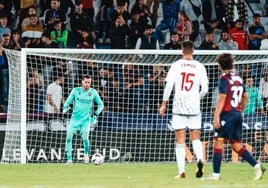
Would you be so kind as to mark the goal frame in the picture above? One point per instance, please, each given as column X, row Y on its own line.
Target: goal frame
column 26, row 51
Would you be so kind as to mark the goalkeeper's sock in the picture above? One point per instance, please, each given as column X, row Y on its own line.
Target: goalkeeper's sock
column 69, row 157
column 217, row 159
column 180, row 156
column 198, row 149
column 243, row 152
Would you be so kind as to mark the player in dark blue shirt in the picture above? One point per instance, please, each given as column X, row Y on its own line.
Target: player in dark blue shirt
column 228, row 117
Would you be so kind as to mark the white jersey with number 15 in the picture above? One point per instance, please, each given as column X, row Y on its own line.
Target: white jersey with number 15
column 186, row 77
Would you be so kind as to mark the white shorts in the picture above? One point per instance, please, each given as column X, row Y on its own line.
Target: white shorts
column 183, row 122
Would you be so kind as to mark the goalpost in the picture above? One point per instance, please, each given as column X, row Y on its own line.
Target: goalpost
column 131, row 84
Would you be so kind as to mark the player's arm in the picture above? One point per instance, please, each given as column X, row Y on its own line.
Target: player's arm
column 204, row 84
column 51, row 102
column 167, row 93
column 244, row 101
column 170, row 79
column 99, row 103
column 220, row 104
column 69, row 101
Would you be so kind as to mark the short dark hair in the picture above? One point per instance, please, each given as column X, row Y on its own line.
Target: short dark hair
column 187, row 46
column 256, row 15
column 225, row 60
column 46, row 34
column 239, row 20
column 174, row 33
column 57, row 73
column 87, row 76
column 149, row 26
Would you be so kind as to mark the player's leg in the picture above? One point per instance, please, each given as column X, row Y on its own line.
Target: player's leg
column 236, row 145
column 195, row 126
column 68, row 144
column 84, row 132
column 179, row 125
column 217, row 156
column 244, row 153
column 180, row 152
column 217, row 159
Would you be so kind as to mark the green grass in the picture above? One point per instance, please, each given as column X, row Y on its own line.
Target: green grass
column 123, row 175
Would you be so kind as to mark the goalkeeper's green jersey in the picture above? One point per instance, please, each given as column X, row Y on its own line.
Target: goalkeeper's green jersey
column 82, row 103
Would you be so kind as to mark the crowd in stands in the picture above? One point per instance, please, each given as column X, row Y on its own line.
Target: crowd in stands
column 122, row 24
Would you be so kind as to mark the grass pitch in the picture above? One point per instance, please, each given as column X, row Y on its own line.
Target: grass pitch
column 123, row 175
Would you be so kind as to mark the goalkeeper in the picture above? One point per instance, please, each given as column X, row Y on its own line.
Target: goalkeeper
column 82, row 98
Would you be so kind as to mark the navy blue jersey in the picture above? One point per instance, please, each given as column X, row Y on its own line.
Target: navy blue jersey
column 232, row 85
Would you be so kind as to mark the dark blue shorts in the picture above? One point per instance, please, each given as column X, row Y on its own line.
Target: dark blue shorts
column 231, row 126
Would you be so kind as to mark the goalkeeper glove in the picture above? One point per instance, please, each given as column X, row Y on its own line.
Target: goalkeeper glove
column 93, row 122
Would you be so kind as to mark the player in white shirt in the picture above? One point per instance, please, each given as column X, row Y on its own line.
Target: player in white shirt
column 186, row 76
column 54, row 94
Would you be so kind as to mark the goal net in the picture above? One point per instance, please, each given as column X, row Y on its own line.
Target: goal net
column 131, row 83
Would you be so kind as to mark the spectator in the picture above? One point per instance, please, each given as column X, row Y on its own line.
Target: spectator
column 239, row 35
column 156, row 89
column 102, row 84
column 115, row 95
column 147, row 41
column 79, row 22
column 119, row 33
column 34, row 29
column 6, row 41
column 68, row 7
column 145, row 14
column 246, row 73
column 170, row 18
column 136, row 29
column 4, row 75
column 44, row 5
column 60, row 35
column 256, row 33
column 67, row 74
column 47, row 42
column 213, row 14
column 236, row 9
column 32, row 33
column 35, row 82
column 226, row 42
column 104, row 20
column 213, row 74
column 5, row 8
column 155, row 4
column 208, row 43
column 187, row 6
column 54, row 97
column 263, row 88
column 26, row 21
column 88, row 8
column 4, row 27
column 16, row 42
column 87, row 42
column 254, row 106
column 120, row 9
column 54, row 13
column 133, row 82
column 254, row 103
column 174, row 42
column 22, row 10
column 183, row 27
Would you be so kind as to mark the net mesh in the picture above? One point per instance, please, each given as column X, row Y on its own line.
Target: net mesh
column 131, row 84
